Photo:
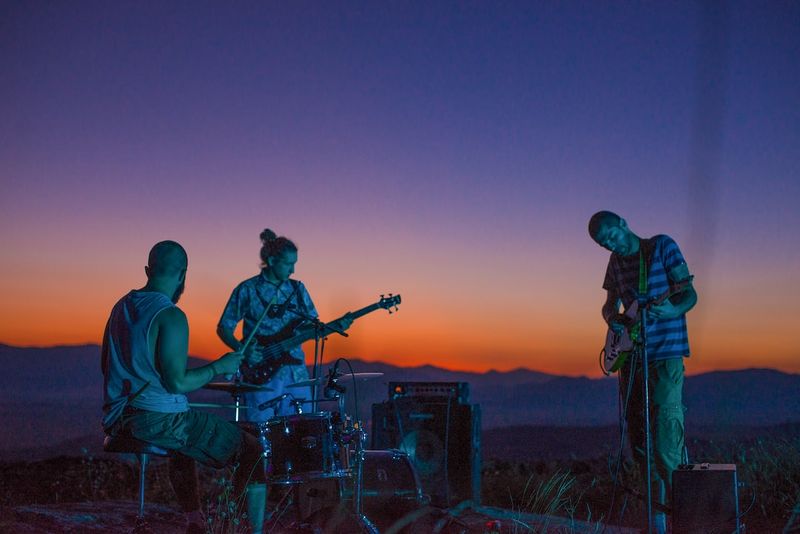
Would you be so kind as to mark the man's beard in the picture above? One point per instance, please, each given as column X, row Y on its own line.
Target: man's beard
column 176, row 296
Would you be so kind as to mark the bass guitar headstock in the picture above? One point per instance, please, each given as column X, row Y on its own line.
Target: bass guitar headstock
column 388, row 302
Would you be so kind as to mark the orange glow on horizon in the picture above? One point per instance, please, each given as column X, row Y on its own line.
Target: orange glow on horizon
column 518, row 324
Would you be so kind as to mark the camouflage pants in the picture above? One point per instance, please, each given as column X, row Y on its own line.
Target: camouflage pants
column 666, row 420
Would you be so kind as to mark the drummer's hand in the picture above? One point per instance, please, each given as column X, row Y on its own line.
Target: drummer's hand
column 228, row 363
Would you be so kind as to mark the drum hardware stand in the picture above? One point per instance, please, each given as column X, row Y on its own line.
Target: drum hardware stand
column 335, row 391
column 297, row 404
column 357, row 489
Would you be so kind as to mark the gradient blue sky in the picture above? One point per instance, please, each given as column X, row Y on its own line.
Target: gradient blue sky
column 451, row 152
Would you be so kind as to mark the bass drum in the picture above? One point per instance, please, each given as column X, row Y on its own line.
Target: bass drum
column 390, row 493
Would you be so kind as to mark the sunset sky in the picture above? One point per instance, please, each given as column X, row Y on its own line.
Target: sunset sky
column 451, row 152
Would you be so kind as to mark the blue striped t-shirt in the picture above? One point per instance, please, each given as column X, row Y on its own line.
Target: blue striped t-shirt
column 666, row 338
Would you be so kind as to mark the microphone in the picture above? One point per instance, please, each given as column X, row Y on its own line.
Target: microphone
column 273, row 402
column 331, row 386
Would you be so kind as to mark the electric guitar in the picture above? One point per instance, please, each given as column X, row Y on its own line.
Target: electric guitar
column 275, row 348
column 619, row 345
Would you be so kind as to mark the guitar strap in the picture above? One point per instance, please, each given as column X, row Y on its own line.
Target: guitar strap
column 296, row 293
column 272, row 301
column 301, row 303
column 643, row 267
column 644, row 260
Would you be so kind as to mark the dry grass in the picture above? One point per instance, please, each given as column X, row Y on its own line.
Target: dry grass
column 768, row 469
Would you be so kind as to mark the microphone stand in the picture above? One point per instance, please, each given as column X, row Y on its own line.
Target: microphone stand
column 642, row 298
column 321, row 330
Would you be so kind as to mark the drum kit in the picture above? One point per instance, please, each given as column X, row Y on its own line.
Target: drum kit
column 306, row 451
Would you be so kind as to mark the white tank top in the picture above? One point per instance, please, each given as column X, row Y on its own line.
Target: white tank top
column 129, row 367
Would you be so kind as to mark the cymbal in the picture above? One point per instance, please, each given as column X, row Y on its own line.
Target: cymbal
column 212, row 405
column 339, row 378
column 235, row 387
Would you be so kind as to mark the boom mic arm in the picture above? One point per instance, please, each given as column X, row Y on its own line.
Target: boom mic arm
column 271, row 403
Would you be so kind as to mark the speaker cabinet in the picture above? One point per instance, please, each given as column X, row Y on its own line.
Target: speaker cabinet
column 442, row 439
column 705, row 499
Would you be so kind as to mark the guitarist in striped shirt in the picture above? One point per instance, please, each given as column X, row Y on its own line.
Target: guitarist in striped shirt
column 651, row 266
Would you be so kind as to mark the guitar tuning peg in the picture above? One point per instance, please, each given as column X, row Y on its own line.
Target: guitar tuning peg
column 381, row 295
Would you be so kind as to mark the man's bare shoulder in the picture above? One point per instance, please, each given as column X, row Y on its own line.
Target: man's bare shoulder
column 172, row 316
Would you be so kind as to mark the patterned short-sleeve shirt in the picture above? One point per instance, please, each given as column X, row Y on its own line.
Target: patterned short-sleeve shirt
column 666, row 338
column 251, row 297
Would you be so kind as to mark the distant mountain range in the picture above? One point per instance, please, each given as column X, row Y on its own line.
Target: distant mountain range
column 52, row 396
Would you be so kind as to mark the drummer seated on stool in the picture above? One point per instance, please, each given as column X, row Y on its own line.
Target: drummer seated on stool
column 144, row 358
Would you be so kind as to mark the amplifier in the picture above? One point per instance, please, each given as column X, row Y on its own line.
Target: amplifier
column 705, row 499
column 442, row 438
column 458, row 391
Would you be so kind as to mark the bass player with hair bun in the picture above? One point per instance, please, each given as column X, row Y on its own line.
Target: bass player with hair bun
column 281, row 301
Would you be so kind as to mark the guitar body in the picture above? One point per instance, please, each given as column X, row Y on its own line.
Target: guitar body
column 619, row 345
column 262, row 371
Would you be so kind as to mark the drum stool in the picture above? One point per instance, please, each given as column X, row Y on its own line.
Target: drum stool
column 143, row 450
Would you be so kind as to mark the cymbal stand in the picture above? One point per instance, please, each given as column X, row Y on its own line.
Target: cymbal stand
column 237, row 401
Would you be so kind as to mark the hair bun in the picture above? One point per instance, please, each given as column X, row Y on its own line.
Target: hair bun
column 268, row 235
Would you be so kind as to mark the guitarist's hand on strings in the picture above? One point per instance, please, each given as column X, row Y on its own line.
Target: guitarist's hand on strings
column 619, row 322
column 665, row 310
column 253, row 354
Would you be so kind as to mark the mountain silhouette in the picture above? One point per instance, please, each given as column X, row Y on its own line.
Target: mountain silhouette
column 53, row 395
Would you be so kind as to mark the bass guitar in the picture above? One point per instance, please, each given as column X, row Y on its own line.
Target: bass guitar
column 620, row 344
column 276, row 348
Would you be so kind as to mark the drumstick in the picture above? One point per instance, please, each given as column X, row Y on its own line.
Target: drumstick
column 238, row 375
column 254, row 330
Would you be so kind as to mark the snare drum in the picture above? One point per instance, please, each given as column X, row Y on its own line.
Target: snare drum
column 302, row 448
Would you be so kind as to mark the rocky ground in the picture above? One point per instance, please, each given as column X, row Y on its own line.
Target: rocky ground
column 88, row 494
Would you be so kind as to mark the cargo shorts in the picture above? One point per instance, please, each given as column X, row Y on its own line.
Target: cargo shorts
column 206, row 437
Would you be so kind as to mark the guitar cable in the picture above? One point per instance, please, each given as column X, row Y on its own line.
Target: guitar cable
column 355, row 389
